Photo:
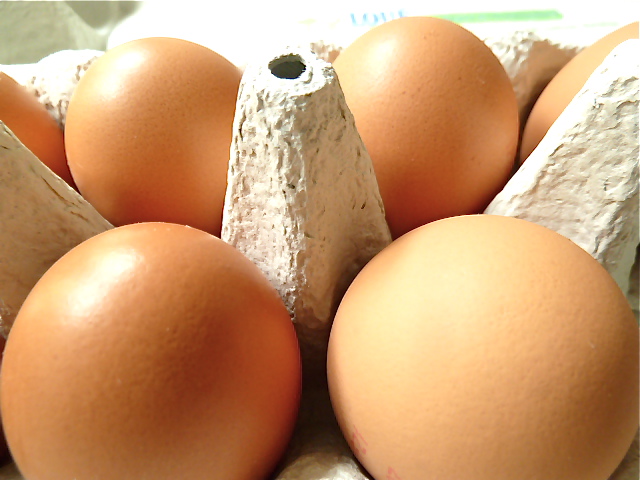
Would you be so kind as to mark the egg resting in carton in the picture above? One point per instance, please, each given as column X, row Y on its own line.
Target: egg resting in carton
column 548, row 189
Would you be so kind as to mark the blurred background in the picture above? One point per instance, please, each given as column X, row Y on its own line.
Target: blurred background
column 238, row 30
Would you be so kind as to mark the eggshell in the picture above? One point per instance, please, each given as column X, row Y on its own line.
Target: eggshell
column 30, row 121
column 485, row 347
column 437, row 113
column 151, row 351
column 148, row 132
column 566, row 84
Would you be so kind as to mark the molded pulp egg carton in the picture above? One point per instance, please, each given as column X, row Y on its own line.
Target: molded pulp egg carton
column 551, row 189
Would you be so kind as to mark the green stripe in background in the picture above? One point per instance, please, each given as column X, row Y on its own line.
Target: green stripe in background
column 523, row 16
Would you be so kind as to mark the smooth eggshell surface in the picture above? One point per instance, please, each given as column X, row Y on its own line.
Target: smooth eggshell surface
column 436, row 112
column 151, row 351
column 485, row 347
column 34, row 126
column 148, row 132
column 565, row 86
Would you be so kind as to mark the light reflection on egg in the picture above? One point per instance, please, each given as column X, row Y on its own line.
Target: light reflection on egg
column 151, row 351
column 485, row 347
column 436, row 112
column 148, row 132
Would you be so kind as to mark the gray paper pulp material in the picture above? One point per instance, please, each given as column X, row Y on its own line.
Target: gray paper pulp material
column 41, row 219
column 303, row 204
column 264, row 201
column 582, row 179
column 302, row 199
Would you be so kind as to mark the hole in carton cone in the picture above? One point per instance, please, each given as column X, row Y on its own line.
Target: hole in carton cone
column 288, row 66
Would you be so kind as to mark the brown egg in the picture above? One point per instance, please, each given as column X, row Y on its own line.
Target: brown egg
column 152, row 351
column 485, row 347
column 565, row 86
column 34, row 126
column 437, row 113
column 148, row 132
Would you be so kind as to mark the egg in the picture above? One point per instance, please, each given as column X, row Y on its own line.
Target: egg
column 485, row 347
column 566, row 84
column 151, row 351
column 437, row 114
column 148, row 132
column 34, row 126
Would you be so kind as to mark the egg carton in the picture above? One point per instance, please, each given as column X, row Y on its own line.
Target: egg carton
column 560, row 186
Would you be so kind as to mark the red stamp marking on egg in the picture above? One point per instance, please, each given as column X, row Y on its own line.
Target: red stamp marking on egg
column 392, row 474
column 359, row 443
